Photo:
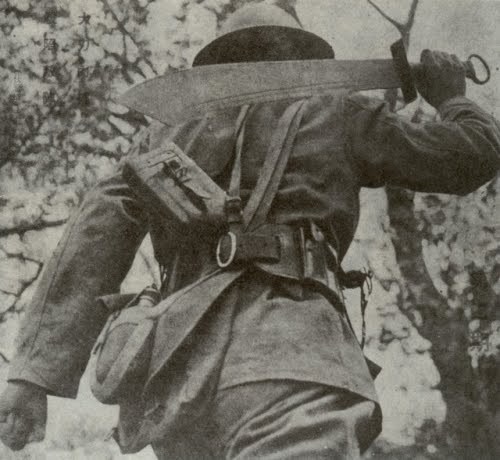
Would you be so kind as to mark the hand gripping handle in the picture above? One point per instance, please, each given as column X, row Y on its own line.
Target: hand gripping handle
column 470, row 69
column 408, row 72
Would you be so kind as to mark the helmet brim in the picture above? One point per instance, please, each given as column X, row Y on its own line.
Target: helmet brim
column 264, row 43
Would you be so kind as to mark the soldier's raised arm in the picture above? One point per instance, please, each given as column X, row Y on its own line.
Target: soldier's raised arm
column 455, row 155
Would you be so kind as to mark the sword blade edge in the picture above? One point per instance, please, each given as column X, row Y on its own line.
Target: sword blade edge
column 178, row 96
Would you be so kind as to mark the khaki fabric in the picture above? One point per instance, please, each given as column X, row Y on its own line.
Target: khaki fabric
column 269, row 330
column 261, row 328
column 276, row 420
column 272, row 338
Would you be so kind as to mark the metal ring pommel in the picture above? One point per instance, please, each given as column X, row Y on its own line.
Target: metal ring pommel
column 471, row 70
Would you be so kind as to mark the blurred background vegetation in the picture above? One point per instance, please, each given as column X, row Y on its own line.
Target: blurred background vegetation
column 433, row 319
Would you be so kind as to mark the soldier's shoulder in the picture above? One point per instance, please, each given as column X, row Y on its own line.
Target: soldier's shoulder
column 326, row 106
column 363, row 101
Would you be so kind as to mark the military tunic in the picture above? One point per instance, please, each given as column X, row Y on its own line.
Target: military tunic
column 263, row 327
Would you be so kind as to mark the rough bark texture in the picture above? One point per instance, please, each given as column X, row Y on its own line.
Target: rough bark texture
column 470, row 430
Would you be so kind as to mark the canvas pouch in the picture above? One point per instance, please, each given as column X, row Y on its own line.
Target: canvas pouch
column 171, row 184
column 123, row 349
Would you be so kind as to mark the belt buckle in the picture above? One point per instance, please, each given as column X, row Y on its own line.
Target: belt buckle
column 218, row 253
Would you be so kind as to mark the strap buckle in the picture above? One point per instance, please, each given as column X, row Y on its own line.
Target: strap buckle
column 232, row 252
column 233, row 210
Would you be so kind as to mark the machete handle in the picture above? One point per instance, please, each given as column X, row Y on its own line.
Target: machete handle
column 408, row 72
column 470, row 70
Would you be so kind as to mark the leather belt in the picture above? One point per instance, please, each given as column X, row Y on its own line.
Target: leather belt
column 235, row 247
column 299, row 253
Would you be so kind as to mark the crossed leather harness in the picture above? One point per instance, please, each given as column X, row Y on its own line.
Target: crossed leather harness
column 300, row 253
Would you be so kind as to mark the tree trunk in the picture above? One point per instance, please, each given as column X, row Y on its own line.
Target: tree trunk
column 469, row 431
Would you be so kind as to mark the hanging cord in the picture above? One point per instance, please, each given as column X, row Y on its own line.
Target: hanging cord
column 362, row 280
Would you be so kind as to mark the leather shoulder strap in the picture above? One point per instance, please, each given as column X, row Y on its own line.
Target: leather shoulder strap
column 259, row 204
column 234, row 184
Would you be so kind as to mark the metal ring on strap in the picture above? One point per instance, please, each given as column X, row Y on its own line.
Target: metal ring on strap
column 226, row 263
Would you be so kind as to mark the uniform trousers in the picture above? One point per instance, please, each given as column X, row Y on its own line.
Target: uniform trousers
column 278, row 419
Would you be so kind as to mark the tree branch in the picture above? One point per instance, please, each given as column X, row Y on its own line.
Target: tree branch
column 22, row 258
column 411, row 15
column 37, row 226
column 126, row 33
column 289, row 6
column 403, row 28
column 395, row 23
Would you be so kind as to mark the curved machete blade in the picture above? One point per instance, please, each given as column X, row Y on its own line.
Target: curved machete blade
column 180, row 95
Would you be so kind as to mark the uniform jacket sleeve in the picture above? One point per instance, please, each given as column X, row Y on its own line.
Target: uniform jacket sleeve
column 455, row 155
column 92, row 259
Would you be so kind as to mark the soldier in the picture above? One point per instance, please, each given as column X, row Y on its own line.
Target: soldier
column 272, row 369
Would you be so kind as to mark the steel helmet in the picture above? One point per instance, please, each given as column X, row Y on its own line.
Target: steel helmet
column 262, row 32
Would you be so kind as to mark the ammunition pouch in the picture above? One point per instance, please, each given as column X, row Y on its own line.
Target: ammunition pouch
column 172, row 185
